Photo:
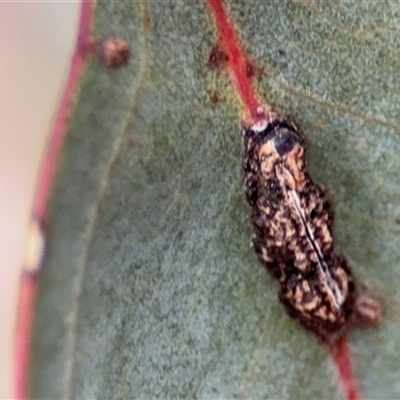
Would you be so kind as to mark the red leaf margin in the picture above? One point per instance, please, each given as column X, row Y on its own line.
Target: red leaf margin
column 31, row 267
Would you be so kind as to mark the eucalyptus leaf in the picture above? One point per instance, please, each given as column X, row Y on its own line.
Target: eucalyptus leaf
column 150, row 288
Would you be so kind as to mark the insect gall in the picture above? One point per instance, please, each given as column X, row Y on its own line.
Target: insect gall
column 292, row 220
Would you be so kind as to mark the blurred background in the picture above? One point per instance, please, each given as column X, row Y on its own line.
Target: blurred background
column 37, row 42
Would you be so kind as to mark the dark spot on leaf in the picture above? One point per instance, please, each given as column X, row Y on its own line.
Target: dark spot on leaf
column 217, row 58
column 250, row 70
column 137, row 266
column 214, row 98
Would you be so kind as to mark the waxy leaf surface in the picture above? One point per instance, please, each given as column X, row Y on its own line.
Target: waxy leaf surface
column 150, row 287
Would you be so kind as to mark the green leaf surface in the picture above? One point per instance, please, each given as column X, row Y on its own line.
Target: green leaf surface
column 150, row 288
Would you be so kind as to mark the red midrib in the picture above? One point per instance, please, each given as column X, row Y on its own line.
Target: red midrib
column 237, row 63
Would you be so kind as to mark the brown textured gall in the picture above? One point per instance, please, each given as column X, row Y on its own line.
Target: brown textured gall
column 113, row 51
column 291, row 220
